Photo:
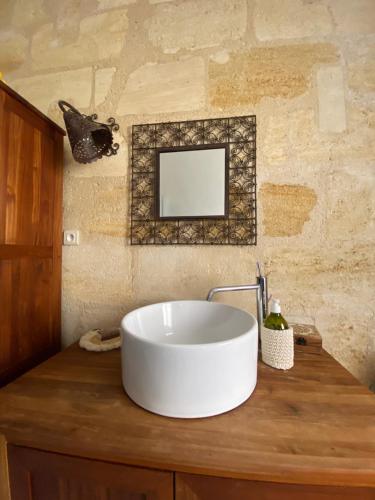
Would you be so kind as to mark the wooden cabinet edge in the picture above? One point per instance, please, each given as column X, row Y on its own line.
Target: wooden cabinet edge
column 4, row 470
column 312, row 478
column 197, row 486
column 48, row 472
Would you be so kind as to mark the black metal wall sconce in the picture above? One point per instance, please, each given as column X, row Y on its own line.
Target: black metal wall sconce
column 89, row 139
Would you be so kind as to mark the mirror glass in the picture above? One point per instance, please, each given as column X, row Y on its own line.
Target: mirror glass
column 192, row 183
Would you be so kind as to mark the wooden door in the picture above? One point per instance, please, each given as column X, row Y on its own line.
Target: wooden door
column 191, row 487
column 37, row 475
column 30, row 236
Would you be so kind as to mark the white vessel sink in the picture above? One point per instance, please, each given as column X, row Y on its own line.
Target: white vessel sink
column 189, row 359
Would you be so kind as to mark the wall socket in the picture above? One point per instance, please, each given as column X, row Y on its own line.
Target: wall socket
column 71, row 237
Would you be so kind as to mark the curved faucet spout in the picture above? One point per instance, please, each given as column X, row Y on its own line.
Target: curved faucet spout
column 258, row 287
column 230, row 288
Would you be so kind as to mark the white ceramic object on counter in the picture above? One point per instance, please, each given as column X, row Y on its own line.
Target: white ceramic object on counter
column 189, row 359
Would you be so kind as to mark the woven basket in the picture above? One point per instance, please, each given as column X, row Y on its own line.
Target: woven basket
column 278, row 348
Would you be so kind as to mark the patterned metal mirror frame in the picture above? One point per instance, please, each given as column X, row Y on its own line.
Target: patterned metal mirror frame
column 238, row 134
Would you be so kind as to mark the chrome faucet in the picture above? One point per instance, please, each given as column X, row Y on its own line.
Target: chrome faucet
column 261, row 294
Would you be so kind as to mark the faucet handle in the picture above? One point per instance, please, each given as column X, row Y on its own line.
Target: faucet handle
column 258, row 268
column 262, row 281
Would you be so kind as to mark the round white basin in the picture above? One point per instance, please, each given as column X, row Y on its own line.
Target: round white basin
column 189, row 358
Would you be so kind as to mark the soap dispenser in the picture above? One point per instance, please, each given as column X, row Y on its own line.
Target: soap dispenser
column 277, row 339
column 275, row 320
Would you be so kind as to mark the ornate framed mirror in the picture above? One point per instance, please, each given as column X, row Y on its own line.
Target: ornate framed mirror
column 194, row 182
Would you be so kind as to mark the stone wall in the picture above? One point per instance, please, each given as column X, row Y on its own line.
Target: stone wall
column 306, row 68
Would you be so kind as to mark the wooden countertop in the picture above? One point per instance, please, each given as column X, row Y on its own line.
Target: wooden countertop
column 313, row 424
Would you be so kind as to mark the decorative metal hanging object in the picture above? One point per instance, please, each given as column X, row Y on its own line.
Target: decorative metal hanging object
column 89, row 139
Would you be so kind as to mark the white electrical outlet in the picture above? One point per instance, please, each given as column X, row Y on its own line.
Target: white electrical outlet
column 71, row 237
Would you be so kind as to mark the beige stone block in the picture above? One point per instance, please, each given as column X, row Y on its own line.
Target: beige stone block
column 96, row 286
column 309, row 146
column 71, row 312
column 307, row 278
column 285, row 19
column 193, row 25
column 351, row 204
column 276, row 146
column 348, row 331
column 13, row 50
column 101, row 37
column 353, row 17
column 283, row 71
column 88, row 315
column 180, row 272
column 334, row 286
column 359, row 144
column 311, row 149
column 45, row 90
column 292, row 147
column 28, row 13
column 331, row 99
column 308, row 269
column 286, row 208
column 68, row 15
column 220, row 57
column 6, row 12
column 95, row 269
column 97, row 206
column 165, row 88
column 103, row 82
column 112, row 4
column 361, row 71
column 362, row 116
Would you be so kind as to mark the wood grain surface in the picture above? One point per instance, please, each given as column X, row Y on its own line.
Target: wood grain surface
column 306, row 337
column 58, row 477
column 31, row 167
column 4, row 477
column 313, row 424
column 191, row 487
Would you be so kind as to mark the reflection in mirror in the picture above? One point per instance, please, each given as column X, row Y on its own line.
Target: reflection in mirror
column 192, row 183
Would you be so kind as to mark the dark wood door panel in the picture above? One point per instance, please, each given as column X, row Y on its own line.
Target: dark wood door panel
column 17, row 251
column 26, row 314
column 27, row 181
column 38, row 475
column 192, row 487
column 31, row 150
